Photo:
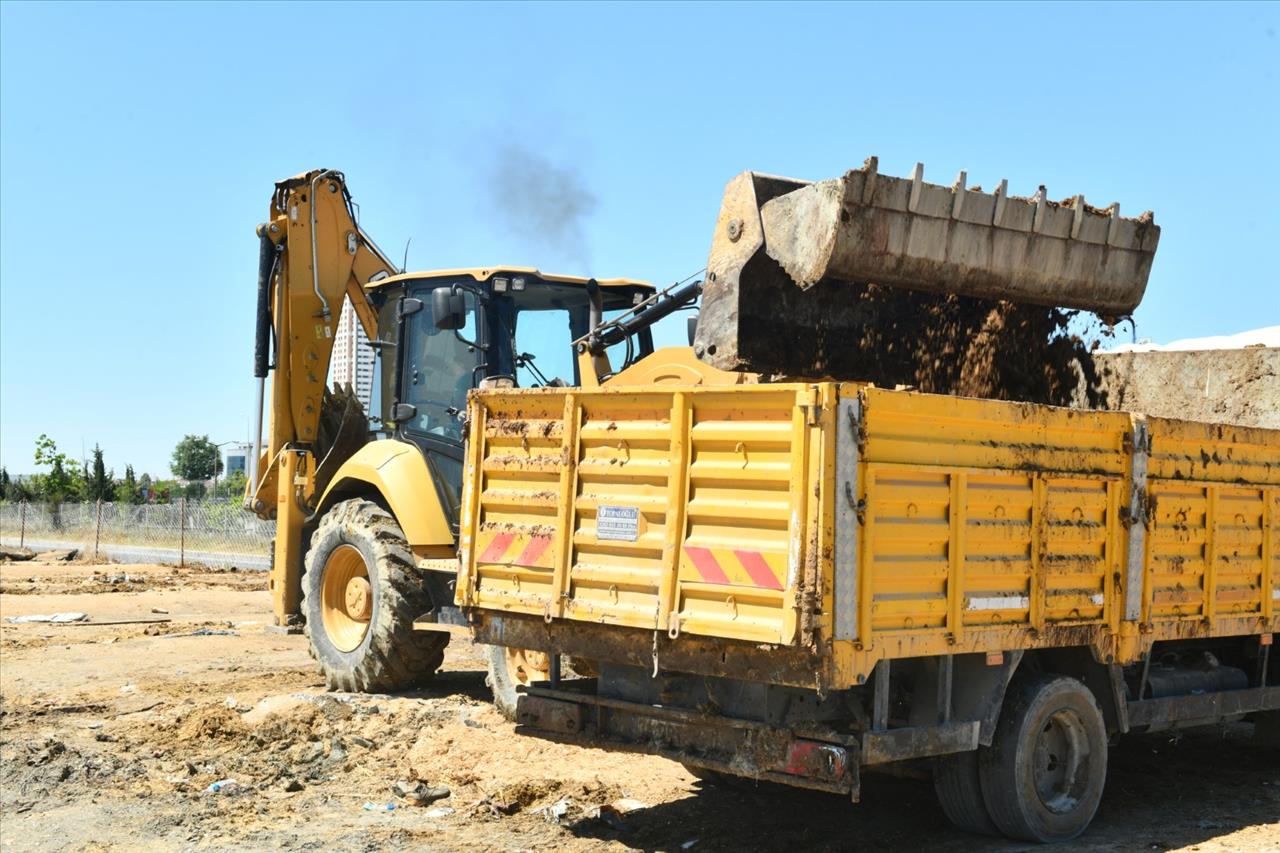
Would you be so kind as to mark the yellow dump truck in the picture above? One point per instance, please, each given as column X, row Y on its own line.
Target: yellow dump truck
column 791, row 580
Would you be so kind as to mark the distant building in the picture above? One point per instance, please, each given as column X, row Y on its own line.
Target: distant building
column 352, row 356
column 236, row 459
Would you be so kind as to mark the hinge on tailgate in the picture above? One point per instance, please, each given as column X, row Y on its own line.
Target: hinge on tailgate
column 812, row 405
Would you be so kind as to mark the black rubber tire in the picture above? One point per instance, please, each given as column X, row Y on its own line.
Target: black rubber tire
column 500, row 681
column 392, row 655
column 1266, row 729
column 955, row 781
column 1007, row 769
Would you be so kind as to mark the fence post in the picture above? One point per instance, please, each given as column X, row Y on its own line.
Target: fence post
column 182, row 532
column 22, row 525
column 97, row 530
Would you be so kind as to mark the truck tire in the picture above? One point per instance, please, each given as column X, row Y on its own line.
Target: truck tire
column 1043, row 775
column 360, row 595
column 510, row 669
column 1266, row 729
column 955, row 781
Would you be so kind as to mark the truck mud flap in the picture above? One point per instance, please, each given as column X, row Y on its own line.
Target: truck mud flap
column 820, row 760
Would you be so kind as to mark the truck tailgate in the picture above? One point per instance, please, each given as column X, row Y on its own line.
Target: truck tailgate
column 687, row 509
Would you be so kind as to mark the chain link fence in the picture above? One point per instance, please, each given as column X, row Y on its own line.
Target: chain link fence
column 210, row 532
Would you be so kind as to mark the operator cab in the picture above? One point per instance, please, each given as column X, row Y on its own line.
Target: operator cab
column 441, row 333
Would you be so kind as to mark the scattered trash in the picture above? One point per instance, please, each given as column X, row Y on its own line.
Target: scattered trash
column 626, row 804
column 159, row 610
column 119, row 577
column 204, row 632
column 441, row 811
column 230, row 702
column 59, row 618
column 223, row 786
column 418, row 794
column 688, row 844
column 554, row 812
column 379, row 807
column 611, row 815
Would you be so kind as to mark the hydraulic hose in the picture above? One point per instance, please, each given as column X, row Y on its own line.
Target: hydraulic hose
column 262, row 326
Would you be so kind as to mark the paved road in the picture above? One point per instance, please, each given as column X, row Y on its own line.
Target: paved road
column 146, row 554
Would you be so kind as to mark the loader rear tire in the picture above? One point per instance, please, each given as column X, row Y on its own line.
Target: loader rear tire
column 955, row 781
column 360, row 595
column 1043, row 775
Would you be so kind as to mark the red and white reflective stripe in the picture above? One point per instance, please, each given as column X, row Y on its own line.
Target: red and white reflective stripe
column 531, row 550
column 733, row 567
column 706, row 564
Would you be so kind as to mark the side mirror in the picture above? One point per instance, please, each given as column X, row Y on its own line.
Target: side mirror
column 693, row 328
column 402, row 412
column 448, row 309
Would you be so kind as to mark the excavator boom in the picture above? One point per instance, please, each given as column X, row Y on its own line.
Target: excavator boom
column 312, row 255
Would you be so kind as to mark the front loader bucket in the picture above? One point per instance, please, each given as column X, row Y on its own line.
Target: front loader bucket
column 791, row 261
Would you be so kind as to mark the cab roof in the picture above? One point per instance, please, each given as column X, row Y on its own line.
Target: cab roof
column 486, row 273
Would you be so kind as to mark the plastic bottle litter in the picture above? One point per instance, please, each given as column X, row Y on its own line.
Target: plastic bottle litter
column 379, row 807
column 222, row 785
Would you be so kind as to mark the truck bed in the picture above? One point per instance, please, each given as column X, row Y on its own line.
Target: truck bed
column 835, row 525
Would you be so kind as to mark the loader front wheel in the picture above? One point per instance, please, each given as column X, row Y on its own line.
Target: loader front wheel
column 360, row 595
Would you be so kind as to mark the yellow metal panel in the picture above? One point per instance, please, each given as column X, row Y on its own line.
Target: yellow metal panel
column 712, row 484
column 397, row 471
column 1190, row 451
column 929, row 429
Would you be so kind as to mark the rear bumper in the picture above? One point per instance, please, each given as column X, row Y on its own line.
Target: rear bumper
column 821, row 759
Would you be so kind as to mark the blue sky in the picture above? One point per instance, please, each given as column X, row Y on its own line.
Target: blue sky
column 139, row 145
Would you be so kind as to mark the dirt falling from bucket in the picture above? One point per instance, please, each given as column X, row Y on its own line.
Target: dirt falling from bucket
column 979, row 348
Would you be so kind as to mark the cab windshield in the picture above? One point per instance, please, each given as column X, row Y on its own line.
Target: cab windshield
column 439, row 368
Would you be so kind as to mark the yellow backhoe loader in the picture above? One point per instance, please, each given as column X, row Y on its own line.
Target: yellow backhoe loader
column 366, row 502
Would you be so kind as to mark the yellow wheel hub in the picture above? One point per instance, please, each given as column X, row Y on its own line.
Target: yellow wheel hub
column 526, row 666
column 346, row 598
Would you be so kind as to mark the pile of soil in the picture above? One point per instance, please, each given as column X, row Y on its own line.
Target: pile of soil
column 976, row 347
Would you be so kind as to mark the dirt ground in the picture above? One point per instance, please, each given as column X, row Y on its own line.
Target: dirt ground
column 111, row 735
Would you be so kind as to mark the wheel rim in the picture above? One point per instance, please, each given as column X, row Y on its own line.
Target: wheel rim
column 1062, row 757
column 525, row 666
column 346, row 598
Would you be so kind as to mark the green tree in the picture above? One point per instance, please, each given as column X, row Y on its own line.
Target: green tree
column 196, row 458
column 127, row 490
column 194, row 491
column 64, row 481
column 99, row 484
column 162, row 491
column 232, row 487
column 4, row 484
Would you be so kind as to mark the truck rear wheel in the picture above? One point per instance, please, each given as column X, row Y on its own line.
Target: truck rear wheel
column 1043, row 775
column 955, row 780
column 1266, row 729
column 360, row 595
